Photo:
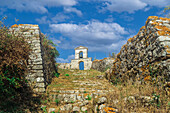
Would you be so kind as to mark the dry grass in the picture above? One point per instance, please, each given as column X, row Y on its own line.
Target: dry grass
column 137, row 102
column 136, row 92
column 75, row 79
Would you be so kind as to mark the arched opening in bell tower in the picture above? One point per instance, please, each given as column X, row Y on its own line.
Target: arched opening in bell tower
column 81, row 54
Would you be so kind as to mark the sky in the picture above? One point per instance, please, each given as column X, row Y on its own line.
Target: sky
column 101, row 25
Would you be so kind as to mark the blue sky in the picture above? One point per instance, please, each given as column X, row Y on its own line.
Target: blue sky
column 101, row 25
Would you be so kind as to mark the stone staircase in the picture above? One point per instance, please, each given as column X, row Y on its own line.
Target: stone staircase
column 87, row 93
column 79, row 100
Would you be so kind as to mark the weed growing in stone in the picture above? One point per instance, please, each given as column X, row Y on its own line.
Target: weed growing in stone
column 44, row 109
column 89, row 97
column 156, row 100
column 72, row 102
column 57, row 101
column 44, row 101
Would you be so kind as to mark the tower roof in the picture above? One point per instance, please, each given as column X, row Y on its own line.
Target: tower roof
column 81, row 47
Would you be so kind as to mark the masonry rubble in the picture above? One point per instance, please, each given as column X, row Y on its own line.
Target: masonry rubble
column 145, row 54
column 103, row 64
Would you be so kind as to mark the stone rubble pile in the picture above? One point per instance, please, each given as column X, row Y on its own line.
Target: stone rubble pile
column 145, row 55
column 85, row 100
column 79, row 100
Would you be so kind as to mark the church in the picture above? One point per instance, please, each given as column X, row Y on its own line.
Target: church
column 81, row 61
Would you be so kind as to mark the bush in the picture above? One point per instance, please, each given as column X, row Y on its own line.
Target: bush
column 14, row 56
column 50, row 54
column 57, row 101
column 56, row 75
column 67, row 75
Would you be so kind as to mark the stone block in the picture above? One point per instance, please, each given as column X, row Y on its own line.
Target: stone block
column 83, row 108
column 76, row 108
column 35, row 56
column 40, row 79
column 36, row 71
column 41, row 90
column 68, row 107
column 102, row 100
column 40, row 85
column 37, row 61
column 51, row 110
column 37, row 67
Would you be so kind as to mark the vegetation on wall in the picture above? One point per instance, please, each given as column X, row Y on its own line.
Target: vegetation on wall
column 14, row 56
column 15, row 92
column 50, row 54
column 167, row 9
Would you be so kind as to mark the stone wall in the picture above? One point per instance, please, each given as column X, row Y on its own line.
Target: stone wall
column 75, row 64
column 64, row 65
column 102, row 65
column 37, row 76
column 145, row 55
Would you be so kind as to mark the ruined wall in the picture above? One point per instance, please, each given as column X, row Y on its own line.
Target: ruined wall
column 103, row 64
column 145, row 55
column 75, row 64
column 37, row 77
column 64, row 65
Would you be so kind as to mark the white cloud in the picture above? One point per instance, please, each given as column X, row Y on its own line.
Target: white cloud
column 39, row 6
column 74, row 10
column 59, row 17
column 123, row 5
column 131, row 6
column 109, row 19
column 96, row 35
column 43, row 20
column 147, row 9
column 62, row 60
column 126, row 17
column 157, row 3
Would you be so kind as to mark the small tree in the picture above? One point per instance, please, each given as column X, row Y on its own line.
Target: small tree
column 113, row 55
column 167, row 8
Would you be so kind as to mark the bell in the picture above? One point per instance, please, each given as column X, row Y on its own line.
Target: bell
column 81, row 56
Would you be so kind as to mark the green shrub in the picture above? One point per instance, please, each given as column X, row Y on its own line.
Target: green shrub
column 57, row 101
column 56, row 75
column 67, row 75
column 156, row 100
column 50, row 54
